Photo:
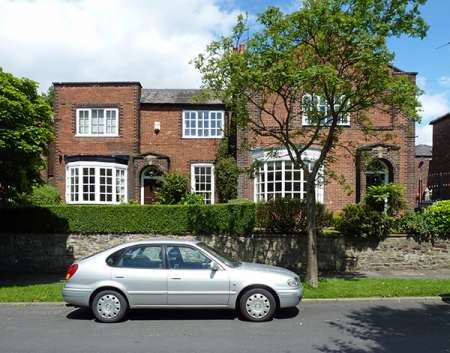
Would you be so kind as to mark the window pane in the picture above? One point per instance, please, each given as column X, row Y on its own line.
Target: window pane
column 202, row 178
column 106, row 185
column 88, row 184
column 186, row 258
column 150, row 257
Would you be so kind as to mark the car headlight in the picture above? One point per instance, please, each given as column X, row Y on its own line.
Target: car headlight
column 293, row 282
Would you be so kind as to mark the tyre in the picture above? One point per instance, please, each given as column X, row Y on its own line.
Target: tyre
column 257, row 305
column 109, row 306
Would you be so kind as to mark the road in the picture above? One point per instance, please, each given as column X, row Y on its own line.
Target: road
column 413, row 326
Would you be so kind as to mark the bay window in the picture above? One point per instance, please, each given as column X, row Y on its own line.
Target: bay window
column 277, row 177
column 96, row 182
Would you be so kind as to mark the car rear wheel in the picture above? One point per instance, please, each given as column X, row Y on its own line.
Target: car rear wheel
column 257, row 305
column 109, row 306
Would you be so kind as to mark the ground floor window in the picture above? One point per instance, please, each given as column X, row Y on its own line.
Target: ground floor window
column 377, row 173
column 96, row 182
column 278, row 177
column 202, row 181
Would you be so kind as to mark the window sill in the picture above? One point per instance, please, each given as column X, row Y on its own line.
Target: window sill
column 202, row 137
column 97, row 136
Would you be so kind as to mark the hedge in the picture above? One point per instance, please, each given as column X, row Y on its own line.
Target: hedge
column 236, row 219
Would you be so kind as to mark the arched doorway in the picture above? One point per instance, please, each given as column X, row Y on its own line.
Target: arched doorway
column 149, row 184
column 378, row 172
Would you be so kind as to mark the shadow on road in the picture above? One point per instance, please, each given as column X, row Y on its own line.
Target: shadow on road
column 383, row 329
column 179, row 314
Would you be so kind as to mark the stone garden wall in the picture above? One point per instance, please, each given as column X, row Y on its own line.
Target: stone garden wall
column 53, row 253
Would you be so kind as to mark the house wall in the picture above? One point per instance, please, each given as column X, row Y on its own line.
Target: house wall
column 393, row 140
column 170, row 142
column 422, row 171
column 69, row 97
column 439, row 174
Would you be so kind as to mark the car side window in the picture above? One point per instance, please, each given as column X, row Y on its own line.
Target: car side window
column 186, row 258
column 146, row 256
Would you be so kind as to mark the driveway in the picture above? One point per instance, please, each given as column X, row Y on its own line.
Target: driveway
column 413, row 326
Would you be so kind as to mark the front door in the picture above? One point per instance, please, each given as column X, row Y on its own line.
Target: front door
column 141, row 270
column 191, row 281
column 149, row 190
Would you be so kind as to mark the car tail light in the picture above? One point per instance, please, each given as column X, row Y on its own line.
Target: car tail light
column 71, row 271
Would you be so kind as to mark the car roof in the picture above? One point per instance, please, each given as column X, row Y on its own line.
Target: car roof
column 162, row 241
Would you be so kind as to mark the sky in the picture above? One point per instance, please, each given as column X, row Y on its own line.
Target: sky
column 153, row 41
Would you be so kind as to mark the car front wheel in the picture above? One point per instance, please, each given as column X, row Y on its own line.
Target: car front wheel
column 257, row 305
column 109, row 306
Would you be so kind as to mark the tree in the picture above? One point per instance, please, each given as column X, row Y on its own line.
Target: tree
column 333, row 50
column 50, row 96
column 25, row 132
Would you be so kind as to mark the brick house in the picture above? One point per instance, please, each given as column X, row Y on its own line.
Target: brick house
column 439, row 175
column 113, row 139
column 423, row 159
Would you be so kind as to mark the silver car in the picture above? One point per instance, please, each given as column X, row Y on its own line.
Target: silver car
column 177, row 274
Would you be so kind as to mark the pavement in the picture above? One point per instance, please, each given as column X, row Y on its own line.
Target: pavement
column 360, row 326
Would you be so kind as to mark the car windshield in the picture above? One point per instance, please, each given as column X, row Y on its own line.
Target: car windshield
column 222, row 257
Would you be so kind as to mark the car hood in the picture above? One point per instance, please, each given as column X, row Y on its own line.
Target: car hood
column 251, row 266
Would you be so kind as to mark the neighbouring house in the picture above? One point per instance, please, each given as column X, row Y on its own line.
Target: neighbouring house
column 439, row 175
column 424, row 154
column 114, row 139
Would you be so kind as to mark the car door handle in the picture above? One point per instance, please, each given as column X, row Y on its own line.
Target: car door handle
column 119, row 276
column 175, row 277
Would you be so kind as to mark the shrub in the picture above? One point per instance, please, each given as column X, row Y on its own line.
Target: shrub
column 289, row 216
column 42, row 196
column 230, row 219
column 438, row 218
column 417, row 226
column 360, row 221
column 154, row 219
column 192, row 199
column 174, row 187
column 227, row 175
column 388, row 198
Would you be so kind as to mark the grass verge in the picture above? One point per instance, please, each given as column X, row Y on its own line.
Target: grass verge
column 377, row 287
column 24, row 291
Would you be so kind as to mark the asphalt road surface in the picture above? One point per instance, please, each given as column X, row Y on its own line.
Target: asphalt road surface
column 413, row 326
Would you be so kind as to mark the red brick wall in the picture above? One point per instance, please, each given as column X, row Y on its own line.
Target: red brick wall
column 69, row 97
column 391, row 130
column 441, row 146
column 169, row 141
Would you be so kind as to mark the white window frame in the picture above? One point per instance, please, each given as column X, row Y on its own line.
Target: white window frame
column 213, row 187
column 97, row 166
column 90, row 133
column 196, row 112
column 305, row 119
column 281, row 155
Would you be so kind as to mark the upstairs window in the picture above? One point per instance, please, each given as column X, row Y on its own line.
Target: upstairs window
column 318, row 105
column 203, row 124
column 97, row 122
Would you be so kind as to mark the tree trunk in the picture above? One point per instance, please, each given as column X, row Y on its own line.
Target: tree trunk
column 312, row 268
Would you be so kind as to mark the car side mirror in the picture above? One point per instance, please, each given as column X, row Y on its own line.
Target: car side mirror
column 213, row 266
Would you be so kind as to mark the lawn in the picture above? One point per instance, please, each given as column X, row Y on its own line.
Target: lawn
column 50, row 291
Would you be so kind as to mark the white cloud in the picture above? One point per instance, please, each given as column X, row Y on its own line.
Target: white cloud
column 424, row 134
column 84, row 40
column 433, row 106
